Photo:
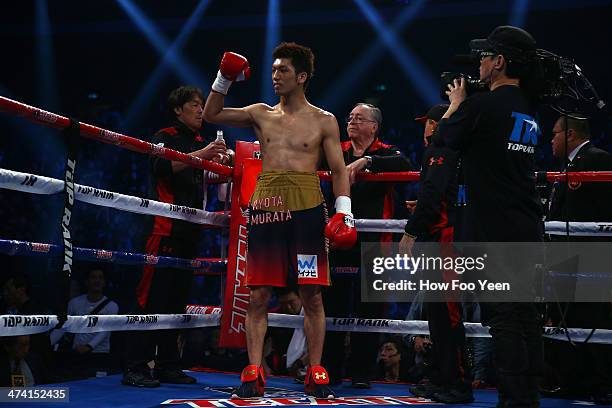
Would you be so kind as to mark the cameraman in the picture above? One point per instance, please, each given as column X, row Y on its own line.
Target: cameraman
column 496, row 134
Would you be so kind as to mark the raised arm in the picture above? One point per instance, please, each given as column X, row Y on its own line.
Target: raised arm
column 215, row 112
column 456, row 126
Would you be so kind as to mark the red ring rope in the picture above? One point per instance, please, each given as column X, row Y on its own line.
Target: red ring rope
column 53, row 120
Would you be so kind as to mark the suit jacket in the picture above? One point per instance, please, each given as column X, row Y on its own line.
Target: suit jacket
column 583, row 201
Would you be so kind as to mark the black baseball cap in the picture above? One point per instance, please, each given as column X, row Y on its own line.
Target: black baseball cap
column 505, row 40
column 434, row 113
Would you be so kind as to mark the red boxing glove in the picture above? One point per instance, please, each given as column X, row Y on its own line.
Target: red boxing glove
column 341, row 232
column 233, row 67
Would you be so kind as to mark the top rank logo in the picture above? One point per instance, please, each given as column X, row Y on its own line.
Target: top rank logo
column 525, row 133
column 151, row 259
column 45, row 116
column 37, row 247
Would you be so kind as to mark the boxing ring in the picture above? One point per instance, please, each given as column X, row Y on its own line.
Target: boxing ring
column 213, row 388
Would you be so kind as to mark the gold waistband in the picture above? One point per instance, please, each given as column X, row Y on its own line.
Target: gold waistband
column 286, row 190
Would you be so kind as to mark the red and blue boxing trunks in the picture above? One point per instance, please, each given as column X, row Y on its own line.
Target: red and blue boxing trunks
column 286, row 241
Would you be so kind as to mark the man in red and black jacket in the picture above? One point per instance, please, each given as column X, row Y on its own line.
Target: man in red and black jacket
column 166, row 290
column 363, row 152
column 433, row 221
column 433, row 214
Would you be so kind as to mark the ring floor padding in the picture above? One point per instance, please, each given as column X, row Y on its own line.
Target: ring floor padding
column 212, row 391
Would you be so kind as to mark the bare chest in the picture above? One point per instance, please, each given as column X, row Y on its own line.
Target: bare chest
column 299, row 134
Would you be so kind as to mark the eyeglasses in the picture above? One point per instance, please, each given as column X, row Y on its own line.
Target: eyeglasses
column 484, row 54
column 357, row 120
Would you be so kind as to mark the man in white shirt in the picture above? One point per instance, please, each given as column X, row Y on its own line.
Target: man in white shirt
column 90, row 352
column 85, row 343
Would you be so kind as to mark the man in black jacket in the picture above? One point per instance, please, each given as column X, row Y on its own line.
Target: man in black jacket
column 165, row 290
column 433, row 213
column 496, row 134
column 582, row 201
column 433, row 221
column 363, row 152
column 583, row 368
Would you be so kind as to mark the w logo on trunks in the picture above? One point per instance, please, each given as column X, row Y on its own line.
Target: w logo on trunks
column 307, row 266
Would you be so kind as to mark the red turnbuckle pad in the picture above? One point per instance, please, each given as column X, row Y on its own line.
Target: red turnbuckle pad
column 253, row 373
column 317, row 375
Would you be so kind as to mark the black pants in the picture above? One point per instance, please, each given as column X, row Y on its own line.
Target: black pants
column 343, row 299
column 445, row 323
column 582, row 370
column 161, row 291
column 448, row 339
column 517, row 345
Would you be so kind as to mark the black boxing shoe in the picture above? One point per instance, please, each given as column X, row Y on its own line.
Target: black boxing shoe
column 253, row 383
column 316, row 383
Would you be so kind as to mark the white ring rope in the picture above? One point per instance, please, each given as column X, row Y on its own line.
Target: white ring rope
column 30, row 183
column 13, row 325
column 370, row 225
column 580, row 229
column 552, row 227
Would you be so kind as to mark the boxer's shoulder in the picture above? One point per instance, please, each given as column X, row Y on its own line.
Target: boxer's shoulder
column 321, row 114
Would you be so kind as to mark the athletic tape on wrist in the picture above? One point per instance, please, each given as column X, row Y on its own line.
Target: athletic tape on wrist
column 221, row 84
column 343, row 205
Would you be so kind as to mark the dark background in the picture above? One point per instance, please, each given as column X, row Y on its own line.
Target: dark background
column 94, row 61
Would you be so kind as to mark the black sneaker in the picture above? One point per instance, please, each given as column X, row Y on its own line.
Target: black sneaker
column 139, row 379
column 426, row 390
column 174, row 376
column 454, row 396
